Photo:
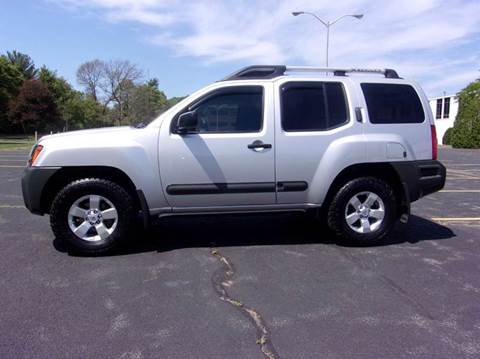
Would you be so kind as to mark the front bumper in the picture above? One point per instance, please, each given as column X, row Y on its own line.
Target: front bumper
column 420, row 178
column 34, row 180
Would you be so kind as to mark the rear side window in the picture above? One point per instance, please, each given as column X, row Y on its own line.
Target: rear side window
column 393, row 103
column 313, row 106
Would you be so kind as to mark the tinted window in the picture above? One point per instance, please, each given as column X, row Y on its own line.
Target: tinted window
column 237, row 110
column 438, row 115
column 392, row 103
column 446, row 108
column 313, row 106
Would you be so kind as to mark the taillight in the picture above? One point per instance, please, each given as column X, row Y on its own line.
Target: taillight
column 434, row 142
column 36, row 151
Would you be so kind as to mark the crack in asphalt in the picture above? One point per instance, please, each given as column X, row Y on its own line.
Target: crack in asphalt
column 390, row 283
column 221, row 279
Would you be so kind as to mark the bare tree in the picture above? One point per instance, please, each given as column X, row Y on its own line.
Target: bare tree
column 89, row 74
column 117, row 78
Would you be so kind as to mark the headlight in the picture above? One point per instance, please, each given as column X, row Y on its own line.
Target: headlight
column 35, row 152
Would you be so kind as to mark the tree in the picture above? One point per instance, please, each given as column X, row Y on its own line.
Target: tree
column 466, row 131
column 113, row 94
column 145, row 102
column 10, row 81
column 117, row 79
column 24, row 64
column 81, row 111
column 60, row 89
column 34, row 108
column 173, row 101
column 89, row 75
column 77, row 110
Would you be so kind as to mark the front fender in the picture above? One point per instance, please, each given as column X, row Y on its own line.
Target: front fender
column 132, row 152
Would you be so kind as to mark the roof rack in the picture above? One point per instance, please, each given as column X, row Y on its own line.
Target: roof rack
column 257, row 72
column 272, row 71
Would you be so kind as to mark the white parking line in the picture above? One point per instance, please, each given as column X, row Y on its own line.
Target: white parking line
column 456, row 219
column 11, row 206
column 461, row 190
column 462, row 177
column 461, row 173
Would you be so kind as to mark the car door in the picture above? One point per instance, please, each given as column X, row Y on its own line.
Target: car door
column 315, row 125
column 229, row 160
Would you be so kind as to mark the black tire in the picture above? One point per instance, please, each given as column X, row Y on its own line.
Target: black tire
column 337, row 211
column 117, row 195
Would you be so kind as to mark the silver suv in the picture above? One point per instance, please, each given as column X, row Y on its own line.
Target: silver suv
column 356, row 146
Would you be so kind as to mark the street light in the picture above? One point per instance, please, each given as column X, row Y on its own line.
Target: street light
column 327, row 24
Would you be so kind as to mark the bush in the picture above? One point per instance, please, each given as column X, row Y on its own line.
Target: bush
column 466, row 132
column 447, row 137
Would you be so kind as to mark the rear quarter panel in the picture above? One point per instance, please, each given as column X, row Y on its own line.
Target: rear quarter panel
column 385, row 142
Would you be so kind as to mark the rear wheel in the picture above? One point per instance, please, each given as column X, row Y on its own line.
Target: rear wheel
column 363, row 211
column 92, row 215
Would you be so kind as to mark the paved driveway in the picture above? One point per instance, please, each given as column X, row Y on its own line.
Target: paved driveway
column 287, row 288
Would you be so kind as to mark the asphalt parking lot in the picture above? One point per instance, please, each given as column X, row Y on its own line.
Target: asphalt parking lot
column 287, row 288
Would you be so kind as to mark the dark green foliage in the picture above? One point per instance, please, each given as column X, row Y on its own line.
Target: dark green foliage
column 174, row 100
column 23, row 63
column 447, row 137
column 34, row 108
column 75, row 108
column 10, row 81
column 81, row 111
column 60, row 89
column 466, row 131
column 39, row 100
column 146, row 102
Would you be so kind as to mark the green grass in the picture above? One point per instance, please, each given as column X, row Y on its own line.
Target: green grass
column 16, row 143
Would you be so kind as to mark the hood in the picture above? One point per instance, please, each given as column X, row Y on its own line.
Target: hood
column 94, row 131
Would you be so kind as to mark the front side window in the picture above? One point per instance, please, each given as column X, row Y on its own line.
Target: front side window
column 238, row 109
column 392, row 103
column 313, row 106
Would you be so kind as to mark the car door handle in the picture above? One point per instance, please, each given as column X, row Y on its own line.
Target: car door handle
column 259, row 144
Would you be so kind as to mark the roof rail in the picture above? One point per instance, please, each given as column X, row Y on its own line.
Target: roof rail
column 272, row 71
column 257, row 72
column 388, row 73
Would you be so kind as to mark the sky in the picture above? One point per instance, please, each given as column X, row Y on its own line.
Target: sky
column 189, row 44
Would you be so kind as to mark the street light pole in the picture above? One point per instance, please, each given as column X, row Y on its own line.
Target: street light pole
column 327, row 24
column 328, row 43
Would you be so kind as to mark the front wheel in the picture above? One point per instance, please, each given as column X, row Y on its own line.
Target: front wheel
column 363, row 211
column 92, row 215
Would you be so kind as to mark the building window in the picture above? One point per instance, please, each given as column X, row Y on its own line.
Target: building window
column 439, row 109
column 446, row 108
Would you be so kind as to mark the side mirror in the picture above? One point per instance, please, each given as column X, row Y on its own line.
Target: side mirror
column 187, row 123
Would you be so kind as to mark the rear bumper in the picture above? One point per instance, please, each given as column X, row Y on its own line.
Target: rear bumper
column 420, row 178
column 34, row 180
